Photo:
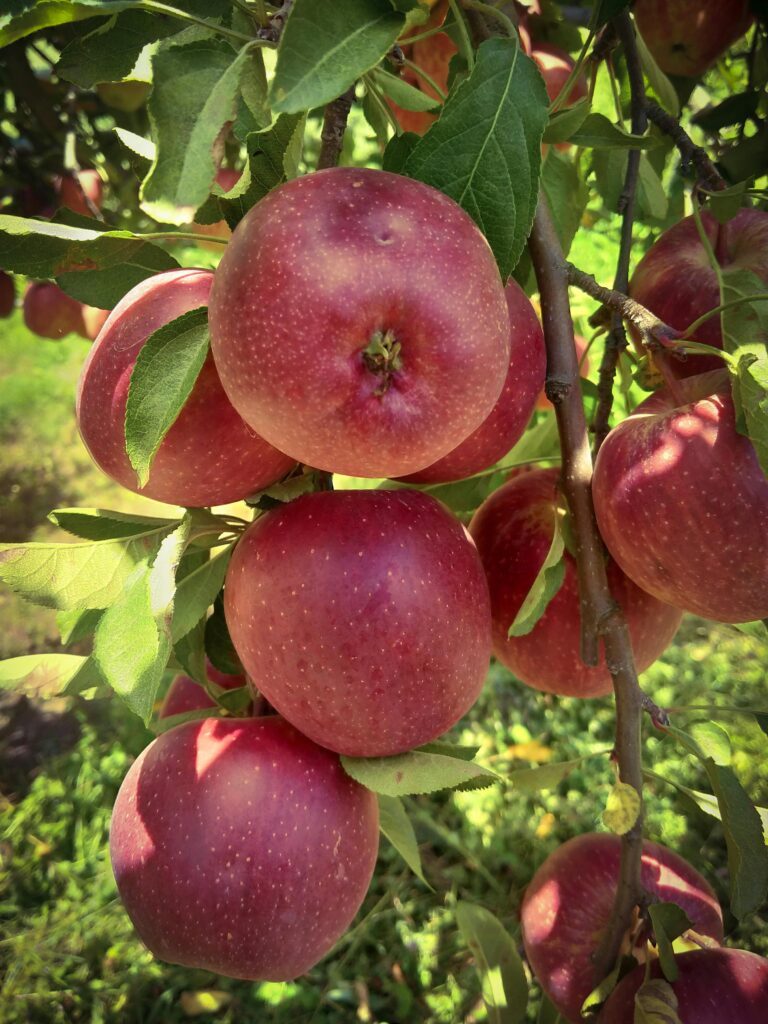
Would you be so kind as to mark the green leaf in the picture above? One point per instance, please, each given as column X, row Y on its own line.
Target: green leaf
column 404, row 95
column 27, row 16
column 109, row 53
column 397, row 152
column 78, row 624
column 712, row 740
column 235, row 701
column 567, row 195
column 324, row 48
column 758, row 629
column 137, row 144
column 485, row 149
column 545, row 776
column 733, row 110
column 657, row 80
column 161, row 725
column 597, row 132
column 502, row 978
column 547, row 583
column 548, row 1013
column 94, row 266
column 197, row 592
column 563, row 123
column 189, row 652
column 651, row 196
column 193, row 98
column 600, row 993
column 608, row 9
column 414, row 772
column 459, row 750
column 622, row 808
column 218, row 643
column 669, row 922
column 49, row 673
column 396, row 826
column 100, row 524
column 133, row 638
column 161, row 382
column 656, row 1003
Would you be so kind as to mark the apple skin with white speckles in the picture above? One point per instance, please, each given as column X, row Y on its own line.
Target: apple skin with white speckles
column 241, row 847
column 714, row 986
column 514, row 406
column 569, row 903
column 364, row 616
column 682, row 503
column 319, row 269
column 209, row 456
column 513, row 532
column 686, row 36
column 676, row 282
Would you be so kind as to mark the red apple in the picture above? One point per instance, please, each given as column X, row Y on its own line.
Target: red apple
column 7, row 295
column 94, row 319
column 542, row 402
column 358, row 321
column 714, row 986
column 75, row 190
column 433, row 55
column 240, row 847
column 185, row 694
column 556, row 66
column 513, row 532
column 509, row 417
column 50, row 312
column 226, row 179
column 209, row 456
column 676, row 282
column 364, row 615
column 569, row 903
column 682, row 503
column 686, row 36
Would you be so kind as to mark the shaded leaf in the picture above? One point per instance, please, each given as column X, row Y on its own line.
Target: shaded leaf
column 502, row 978
column 669, row 922
column 218, row 643
column 77, row 625
column 197, row 592
column 548, row 581
column 563, row 123
column 597, row 132
column 396, row 826
column 103, row 524
column 46, row 673
column 110, row 51
column 657, row 80
column 567, row 195
column 656, row 1003
column 414, row 772
column 546, row 776
column 403, row 93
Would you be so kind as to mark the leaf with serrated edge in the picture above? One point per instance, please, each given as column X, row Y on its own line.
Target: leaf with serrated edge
column 414, row 772
column 713, row 740
column 548, row 581
column 47, row 673
column 502, row 978
column 597, row 132
column 658, row 81
column 104, row 524
column 669, row 922
column 137, row 144
column 403, row 93
column 546, row 776
column 110, row 52
column 197, row 592
column 396, row 826
column 485, row 149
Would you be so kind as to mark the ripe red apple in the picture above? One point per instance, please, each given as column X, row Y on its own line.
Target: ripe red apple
column 364, row 616
column 513, row 532
column 209, row 456
column 556, row 66
column 73, row 191
column 185, row 694
column 542, row 402
column 714, row 986
column 94, row 319
column 676, row 282
column 50, row 312
column 432, row 55
column 569, row 903
column 358, row 321
column 7, row 295
column 240, row 847
column 682, row 502
column 226, row 179
column 509, row 417
column 686, row 36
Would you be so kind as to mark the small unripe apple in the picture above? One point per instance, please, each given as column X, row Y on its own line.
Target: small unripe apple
column 569, row 902
column 7, row 295
column 513, row 531
column 686, row 36
column 358, row 321
column 514, row 406
column 714, row 986
column 240, row 847
column 209, row 456
column 363, row 615
column 682, row 502
column 50, row 312
column 75, row 190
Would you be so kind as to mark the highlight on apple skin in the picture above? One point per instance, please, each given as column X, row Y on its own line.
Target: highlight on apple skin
column 75, row 190
column 407, row 347
column 209, row 456
column 513, row 531
column 686, row 37
column 682, row 502
column 240, row 847
column 364, row 617
column 569, row 903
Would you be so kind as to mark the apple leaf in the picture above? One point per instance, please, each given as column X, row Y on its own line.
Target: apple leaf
column 162, row 380
column 597, row 132
column 403, row 93
column 669, row 922
column 712, row 740
column 100, row 524
column 622, row 808
column 325, row 48
column 657, row 80
column 548, row 1013
column 725, row 204
column 502, row 977
column 109, row 53
column 137, row 144
column 757, row 629
column 197, row 591
column 46, row 673
column 546, row 776
column 132, row 643
column 78, row 624
column 189, row 652
column 485, row 149
column 193, row 98
column 656, row 1003
column 161, row 725
column 547, row 583
column 218, row 643
column 414, row 772
column 396, row 826
column 22, row 17
column 563, row 123
column 600, row 993
column 651, row 196
column 707, row 802
column 567, row 195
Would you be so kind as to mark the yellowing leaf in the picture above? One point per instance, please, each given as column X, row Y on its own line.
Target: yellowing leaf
column 622, row 808
column 211, row 1000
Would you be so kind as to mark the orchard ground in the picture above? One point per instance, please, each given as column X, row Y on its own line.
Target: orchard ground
column 67, row 950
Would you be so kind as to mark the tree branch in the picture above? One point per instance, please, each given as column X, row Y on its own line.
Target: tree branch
column 600, row 615
column 654, row 331
column 334, row 126
column 708, row 174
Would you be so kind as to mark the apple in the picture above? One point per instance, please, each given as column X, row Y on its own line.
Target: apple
column 433, row 55
column 185, row 694
column 364, row 615
column 514, row 406
column 226, row 179
column 682, row 502
column 127, row 96
column 513, row 532
column 242, row 848
column 556, row 66
column 75, row 190
column 358, row 322
column 209, row 456
column 714, row 986
column 676, row 282
column 51, row 313
column 94, row 319
column 569, row 903
column 686, row 36
column 542, row 402
column 7, row 295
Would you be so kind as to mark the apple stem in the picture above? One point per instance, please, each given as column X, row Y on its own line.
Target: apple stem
column 382, row 357
column 334, row 127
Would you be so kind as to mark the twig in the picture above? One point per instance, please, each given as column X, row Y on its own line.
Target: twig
column 654, row 331
column 708, row 174
column 600, row 615
column 334, row 126
column 273, row 31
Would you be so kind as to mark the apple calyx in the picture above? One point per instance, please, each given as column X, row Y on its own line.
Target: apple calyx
column 382, row 357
